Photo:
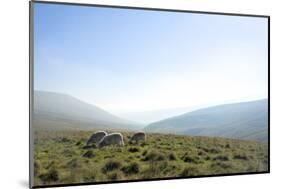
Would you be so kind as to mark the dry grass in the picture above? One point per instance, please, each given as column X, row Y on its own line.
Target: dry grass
column 62, row 158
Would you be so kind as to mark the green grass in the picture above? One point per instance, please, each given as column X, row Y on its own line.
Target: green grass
column 61, row 157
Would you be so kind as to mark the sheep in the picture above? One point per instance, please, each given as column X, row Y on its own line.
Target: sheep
column 139, row 136
column 111, row 139
column 96, row 137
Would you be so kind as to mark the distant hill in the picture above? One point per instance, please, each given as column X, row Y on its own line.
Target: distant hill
column 64, row 111
column 245, row 120
column 147, row 117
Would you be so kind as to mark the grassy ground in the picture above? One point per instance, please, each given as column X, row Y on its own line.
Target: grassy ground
column 61, row 158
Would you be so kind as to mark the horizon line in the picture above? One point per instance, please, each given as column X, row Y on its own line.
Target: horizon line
column 214, row 104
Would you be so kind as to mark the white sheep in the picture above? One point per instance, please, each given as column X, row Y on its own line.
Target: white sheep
column 139, row 136
column 111, row 139
column 96, row 137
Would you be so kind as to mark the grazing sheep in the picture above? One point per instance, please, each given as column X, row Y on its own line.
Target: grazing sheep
column 139, row 136
column 112, row 139
column 96, row 137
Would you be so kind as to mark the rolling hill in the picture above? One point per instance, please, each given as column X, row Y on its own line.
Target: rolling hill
column 57, row 110
column 245, row 120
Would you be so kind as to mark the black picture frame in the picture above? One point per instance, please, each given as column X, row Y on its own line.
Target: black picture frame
column 31, row 72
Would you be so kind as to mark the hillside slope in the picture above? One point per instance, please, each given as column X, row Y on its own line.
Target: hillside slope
column 246, row 120
column 56, row 109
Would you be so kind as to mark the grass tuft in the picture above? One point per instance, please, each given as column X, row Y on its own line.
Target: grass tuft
column 172, row 156
column 132, row 168
column 133, row 149
column 89, row 154
column 111, row 165
column 50, row 176
column 154, row 155
column 190, row 171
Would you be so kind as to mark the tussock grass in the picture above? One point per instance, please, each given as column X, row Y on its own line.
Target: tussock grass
column 132, row 168
column 241, row 156
column 50, row 176
column 191, row 158
column 190, row 171
column 154, row 155
column 111, row 165
column 172, row 156
column 89, row 154
column 133, row 149
column 62, row 157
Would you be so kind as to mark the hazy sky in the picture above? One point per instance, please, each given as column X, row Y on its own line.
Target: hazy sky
column 134, row 60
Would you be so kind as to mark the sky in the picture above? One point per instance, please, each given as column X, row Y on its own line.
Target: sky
column 134, row 60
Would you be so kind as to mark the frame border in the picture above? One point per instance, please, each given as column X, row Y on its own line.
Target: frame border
column 31, row 88
column 149, row 8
